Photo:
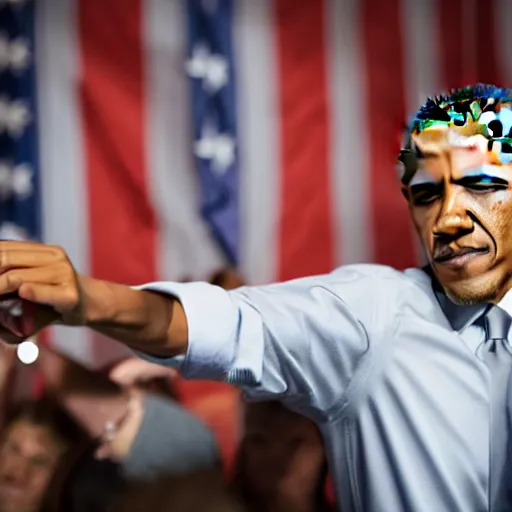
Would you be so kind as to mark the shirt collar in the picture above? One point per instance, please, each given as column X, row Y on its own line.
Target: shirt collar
column 459, row 317
column 506, row 302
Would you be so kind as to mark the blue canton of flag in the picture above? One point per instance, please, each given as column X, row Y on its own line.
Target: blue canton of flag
column 19, row 180
column 210, row 67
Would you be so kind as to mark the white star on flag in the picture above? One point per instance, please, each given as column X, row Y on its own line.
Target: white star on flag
column 14, row 54
column 211, row 68
column 11, row 231
column 14, row 116
column 219, row 148
column 22, row 184
column 17, row 181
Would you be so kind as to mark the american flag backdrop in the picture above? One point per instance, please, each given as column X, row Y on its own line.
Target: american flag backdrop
column 162, row 139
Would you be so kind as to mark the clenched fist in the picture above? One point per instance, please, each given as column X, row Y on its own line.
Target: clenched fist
column 38, row 286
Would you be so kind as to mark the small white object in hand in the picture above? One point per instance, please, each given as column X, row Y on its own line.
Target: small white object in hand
column 13, row 306
column 27, row 352
column 16, row 309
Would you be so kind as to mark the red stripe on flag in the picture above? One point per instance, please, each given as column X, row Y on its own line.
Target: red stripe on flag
column 122, row 224
column 392, row 237
column 489, row 68
column 468, row 54
column 451, row 44
column 306, row 229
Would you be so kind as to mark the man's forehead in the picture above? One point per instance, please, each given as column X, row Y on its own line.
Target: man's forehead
column 436, row 147
column 483, row 128
column 469, row 153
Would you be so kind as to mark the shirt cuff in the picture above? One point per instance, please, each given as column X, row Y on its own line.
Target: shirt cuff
column 212, row 320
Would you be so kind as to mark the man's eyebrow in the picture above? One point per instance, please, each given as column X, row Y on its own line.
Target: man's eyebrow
column 479, row 178
column 426, row 186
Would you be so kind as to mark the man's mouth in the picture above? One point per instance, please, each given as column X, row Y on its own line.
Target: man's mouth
column 457, row 256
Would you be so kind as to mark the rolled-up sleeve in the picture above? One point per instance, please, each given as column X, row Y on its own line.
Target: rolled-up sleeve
column 302, row 339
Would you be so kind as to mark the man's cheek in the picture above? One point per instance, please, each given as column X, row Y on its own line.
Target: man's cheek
column 421, row 221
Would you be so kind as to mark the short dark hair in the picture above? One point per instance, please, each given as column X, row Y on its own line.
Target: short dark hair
column 47, row 412
column 447, row 108
column 458, row 107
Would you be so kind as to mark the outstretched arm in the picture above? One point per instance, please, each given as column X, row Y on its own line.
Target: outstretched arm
column 43, row 275
column 303, row 340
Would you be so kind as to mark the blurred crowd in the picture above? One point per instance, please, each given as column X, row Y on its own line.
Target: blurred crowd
column 121, row 439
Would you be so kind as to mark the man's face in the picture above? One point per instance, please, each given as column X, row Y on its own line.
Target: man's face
column 461, row 204
column 29, row 455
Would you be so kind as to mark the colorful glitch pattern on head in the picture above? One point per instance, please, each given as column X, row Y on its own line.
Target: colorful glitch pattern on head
column 480, row 110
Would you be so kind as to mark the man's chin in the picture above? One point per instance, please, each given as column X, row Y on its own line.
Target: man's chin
column 480, row 289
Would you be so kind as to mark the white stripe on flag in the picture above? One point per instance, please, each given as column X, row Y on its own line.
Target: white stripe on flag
column 63, row 183
column 420, row 51
column 420, row 48
column 349, row 145
column 186, row 247
column 259, row 138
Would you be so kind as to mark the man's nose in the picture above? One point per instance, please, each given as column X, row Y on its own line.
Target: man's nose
column 454, row 219
column 453, row 225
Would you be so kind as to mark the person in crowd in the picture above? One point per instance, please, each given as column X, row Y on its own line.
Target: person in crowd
column 406, row 373
column 197, row 491
column 129, row 427
column 281, row 464
column 87, row 484
column 38, row 435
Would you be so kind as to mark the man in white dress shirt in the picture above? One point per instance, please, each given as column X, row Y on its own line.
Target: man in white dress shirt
column 406, row 373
